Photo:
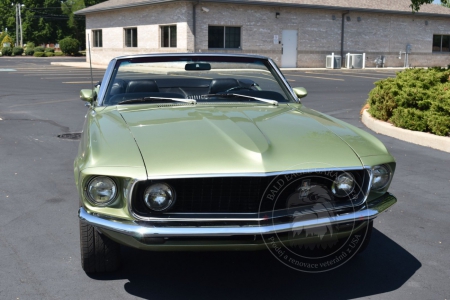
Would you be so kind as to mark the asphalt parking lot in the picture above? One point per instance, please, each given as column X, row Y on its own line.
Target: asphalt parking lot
column 39, row 241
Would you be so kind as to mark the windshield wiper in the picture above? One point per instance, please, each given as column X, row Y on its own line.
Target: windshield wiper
column 153, row 99
column 232, row 95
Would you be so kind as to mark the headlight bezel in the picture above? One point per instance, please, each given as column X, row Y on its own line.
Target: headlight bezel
column 91, row 199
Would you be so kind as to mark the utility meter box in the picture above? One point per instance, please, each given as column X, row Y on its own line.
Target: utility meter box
column 408, row 49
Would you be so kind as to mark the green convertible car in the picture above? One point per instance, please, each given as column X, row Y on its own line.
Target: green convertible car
column 216, row 152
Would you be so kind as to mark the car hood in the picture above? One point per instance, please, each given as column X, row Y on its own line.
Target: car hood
column 200, row 139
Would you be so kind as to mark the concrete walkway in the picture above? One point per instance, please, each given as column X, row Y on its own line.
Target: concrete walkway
column 84, row 65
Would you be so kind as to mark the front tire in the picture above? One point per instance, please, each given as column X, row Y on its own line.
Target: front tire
column 98, row 253
column 366, row 241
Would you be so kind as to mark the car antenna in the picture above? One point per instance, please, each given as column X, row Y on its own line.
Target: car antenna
column 90, row 65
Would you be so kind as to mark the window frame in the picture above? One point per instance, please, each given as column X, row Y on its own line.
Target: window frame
column 441, row 44
column 95, row 40
column 225, row 37
column 170, row 36
column 132, row 45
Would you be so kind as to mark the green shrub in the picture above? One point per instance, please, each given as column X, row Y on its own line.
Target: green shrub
column 39, row 54
column 30, row 45
column 17, row 50
column 417, row 99
column 39, row 49
column 7, row 51
column 439, row 125
column 59, row 54
column 49, row 54
column 29, row 51
column 409, row 118
column 69, row 46
column 382, row 99
column 52, row 50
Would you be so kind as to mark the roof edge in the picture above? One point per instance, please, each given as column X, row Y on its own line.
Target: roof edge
column 87, row 10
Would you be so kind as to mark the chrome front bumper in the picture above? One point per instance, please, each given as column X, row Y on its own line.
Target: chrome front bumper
column 160, row 230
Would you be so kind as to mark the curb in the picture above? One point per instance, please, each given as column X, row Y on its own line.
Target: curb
column 420, row 138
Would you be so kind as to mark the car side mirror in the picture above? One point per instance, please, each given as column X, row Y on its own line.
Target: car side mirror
column 88, row 95
column 300, row 92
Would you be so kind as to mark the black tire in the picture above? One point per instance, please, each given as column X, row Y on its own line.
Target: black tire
column 367, row 238
column 98, row 253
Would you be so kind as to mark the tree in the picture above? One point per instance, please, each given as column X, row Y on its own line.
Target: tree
column 7, row 39
column 77, row 24
column 416, row 4
column 45, row 21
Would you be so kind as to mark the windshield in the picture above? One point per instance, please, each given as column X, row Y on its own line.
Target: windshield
column 210, row 79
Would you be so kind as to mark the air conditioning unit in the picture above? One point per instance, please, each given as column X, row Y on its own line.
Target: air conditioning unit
column 354, row 61
column 333, row 61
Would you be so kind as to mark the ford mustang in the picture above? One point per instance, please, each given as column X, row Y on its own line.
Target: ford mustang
column 217, row 152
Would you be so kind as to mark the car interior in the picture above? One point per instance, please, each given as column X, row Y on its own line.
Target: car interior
column 187, row 88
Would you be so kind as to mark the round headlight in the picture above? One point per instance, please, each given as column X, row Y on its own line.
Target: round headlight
column 343, row 185
column 101, row 190
column 381, row 177
column 159, row 197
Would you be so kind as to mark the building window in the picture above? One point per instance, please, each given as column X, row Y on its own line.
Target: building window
column 441, row 43
column 97, row 38
column 130, row 37
column 169, row 36
column 224, row 37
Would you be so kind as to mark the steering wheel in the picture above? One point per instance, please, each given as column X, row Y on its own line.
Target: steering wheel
column 235, row 88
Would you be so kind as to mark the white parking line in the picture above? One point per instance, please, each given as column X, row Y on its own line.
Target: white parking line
column 38, row 103
column 339, row 74
column 307, row 76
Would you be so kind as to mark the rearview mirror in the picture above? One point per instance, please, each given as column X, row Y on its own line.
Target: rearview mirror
column 87, row 95
column 300, row 92
column 197, row 67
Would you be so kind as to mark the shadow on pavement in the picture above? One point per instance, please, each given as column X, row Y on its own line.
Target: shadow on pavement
column 383, row 267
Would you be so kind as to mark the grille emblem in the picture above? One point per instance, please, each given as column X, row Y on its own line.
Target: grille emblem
column 304, row 188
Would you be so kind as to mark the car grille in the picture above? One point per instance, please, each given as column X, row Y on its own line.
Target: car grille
column 234, row 194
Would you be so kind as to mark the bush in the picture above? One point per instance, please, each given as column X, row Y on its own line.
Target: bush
column 39, row 49
column 69, row 46
column 417, row 99
column 439, row 125
column 30, row 45
column 29, row 51
column 52, row 50
column 409, row 118
column 7, row 51
column 39, row 54
column 17, row 50
column 59, row 54
column 49, row 54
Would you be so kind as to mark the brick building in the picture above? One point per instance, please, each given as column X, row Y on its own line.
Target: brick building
column 295, row 33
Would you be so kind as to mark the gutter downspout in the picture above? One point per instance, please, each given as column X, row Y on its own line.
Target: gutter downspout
column 194, row 26
column 342, row 37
